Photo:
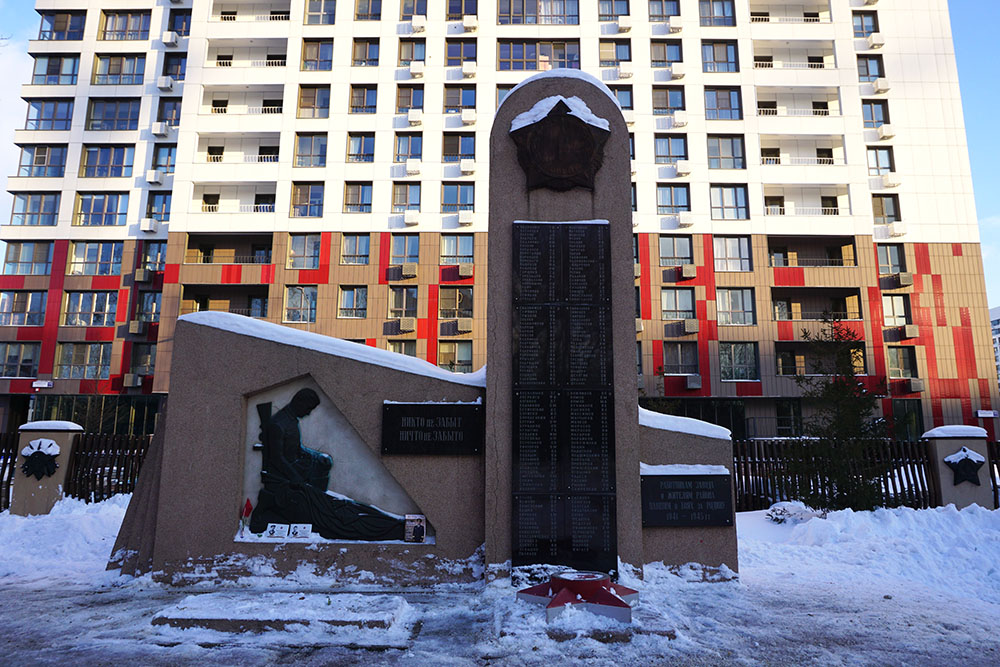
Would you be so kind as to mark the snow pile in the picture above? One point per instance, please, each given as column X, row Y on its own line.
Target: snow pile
column 544, row 106
column 792, row 512
column 50, row 425
column 682, row 469
column 682, row 425
column 965, row 453
column 955, row 431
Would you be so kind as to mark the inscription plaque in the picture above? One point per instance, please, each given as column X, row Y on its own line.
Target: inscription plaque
column 686, row 500
column 432, row 428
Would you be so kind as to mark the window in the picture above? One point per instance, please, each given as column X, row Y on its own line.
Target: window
column 363, row 99
column 79, row 361
column 165, row 157
column 409, row 146
column 880, row 160
column 169, row 111
column 870, row 68
column 307, row 200
column 317, row 55
column 458, row 146
column 885, row 208
column 729, row 202
column 361, row 147
column 180, row 22
column 902, row 362
column 865, row 23
column 458, row 51
column 896, row 309
column 723, row 104
column 300, row 303
column 303, row 251
column 357, row 197
column 610, row 10
column 158, row 206
column 96, row 259
column 18, row 309
column 62, row 26
column 891, row 259
column 355, row 249
column 624, row 96
column 672, row 199
column 661, row 10
column 460, row 8
column 154, row 255
column 407, row 347
column 314, row 102
column 788, row 418
column 677, row 303
column 457, row 249
column 455, row 356
column 667, row 99
column 91, row 309
column 320, row 12
column 716, row 12
column 612, row 52
column 726, row 152
column 405, row 249
column 907, row 418
column 534, row 55
column 124, row 25
column 49, row 114
column 680, row 358
column 402, row 302
column 631, row 145
column 405, row 197
column 27, row 258
column 106, row 161
column 143, row 358
column 457, row 197
column 663, row 53
column 457, row 98
column 368, row 10
column 732, row 253
column 42, row 161
column 675, row 251
column 20, row 360
column 875, row 112
column 635, row 198
column 409, row 97
column 310, row 150
column 455, row 302
column 410, row 50
column 55, row 70
column 354, row 301
column 719, row 57
column 149, row 306
column 100, row 209
column 411, row 8
column 540, row 12
column 113, row 114
column 175, row 65
column 734, row 306
column 35, row 208
column 365, row 52
column 738, row 361
column 502, row 90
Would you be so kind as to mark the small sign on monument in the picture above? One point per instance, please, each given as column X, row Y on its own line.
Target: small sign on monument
column 416, row 528
column 432, row 428
column 682, row 496
column 276, row 531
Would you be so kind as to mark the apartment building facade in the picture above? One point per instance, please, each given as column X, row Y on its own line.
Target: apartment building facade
column 324, row 165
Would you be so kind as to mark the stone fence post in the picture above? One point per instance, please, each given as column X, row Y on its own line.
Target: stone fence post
column 959, row 458
column 44, row 450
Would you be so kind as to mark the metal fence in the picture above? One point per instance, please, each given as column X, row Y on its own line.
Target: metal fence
column 104, row 465
column 993, row 469
column 8, row 466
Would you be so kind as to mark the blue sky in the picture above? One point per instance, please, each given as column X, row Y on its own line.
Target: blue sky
column 973, row 27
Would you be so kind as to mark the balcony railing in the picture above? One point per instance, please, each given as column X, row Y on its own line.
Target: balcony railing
column 788, row 64
column 800, row 161
column 274, row 16
column 359, row 313
column 249, row 63
column 245, row 110
column 763, row 111
column 804, row 210
column 816, row 315
column 248, row 312
column 807, row 262
column 788, row 19
column 539, row 19
column 240, row 208
column 196, row 257
column 454, row 313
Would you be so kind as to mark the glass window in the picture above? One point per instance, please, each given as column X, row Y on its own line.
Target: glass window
column 520, row 55
column 460, row 8
column 165, row 157
column 738, row 361
column 661, row 10
column 612, row 52
column 723, row 104
column 300, row 303
column 368, row 10
column 154, row 255
column 314, row 102
column 175, row 65
column 114, row 114
column 663, row 53
column 320, row 12
column 732, row 253
column 358, row 197
column 667, row 99
column 540, row 12
column 20, row 360
column 83, row 361
column 365, row 52
column 106, row 161
column 96, row 258
column 124, row 25
column 638, row 357
column 405, row 197
column 409, row 146
column 672, row 199
column 716, row 12
column 158, row 206
column 680, row 358
column 502, row 90
column 457, row 249
column 363, row 99
column 27, row 258
column 896, row 309
column 726, row 152
column 101, row 209
column 49, row 114
column 307, row 200
column 310, row 150
column 62, row 26
column 902, row 362
column 885, row 208
column 719, row 57
column 455, row 356
column 880, row 160
column 734, row 306
column 402, row 302
column 610, row 10
column 35, row 208
column 407, row 347
column 891, row 259
column 303, row 251
column 876, row 112
column 409, row 97
column 458, row 51
column 317, row 55
column 361, row 147
column 55, row 70
column 22, row 309
column 870, row 68
column 405, row 249
column 865, row 23
column 143, row 358
column 42, row 161
column 180, row 22
column 454, row 302
column 458, row 146
column 149, row 306
column 677, row 303
column 169, row 111
column 624, row 96
column 91, row 309
column 675, row 251
column 353, row 301
column 729, row 202
column 457, row 98
column 410, row 50
column 411, row 8
column 458, row 197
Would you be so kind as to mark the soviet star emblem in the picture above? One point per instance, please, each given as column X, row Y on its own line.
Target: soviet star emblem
column 560, row 150
column 965, row 465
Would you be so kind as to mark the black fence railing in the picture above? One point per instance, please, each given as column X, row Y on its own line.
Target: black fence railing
column 993, row 469
column 8, row 466
column 104, row 465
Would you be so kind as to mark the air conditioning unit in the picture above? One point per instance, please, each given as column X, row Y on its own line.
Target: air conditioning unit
column 881, row 85
column 466, row 270
column 910, row 330
column 154, row 176
column 888, row 181
column 685, row 219
column 137, row 327
column 624, row 23
column 176, row 2
column 680, row 118
column 885, row 131
column 418, row 23
column 916, row 385
column 416, row 68
column 415, row 116
column 689, row 271
column 142, row 275
column 165, row 83
column 904, row 279
column 637, row 270
column 465, row 324
column 407, row 324
column 467, row 166
column 693, row 381
column 465, row 218
column 411, row 218
column 638, row 325
column 682, row 167
column 131, row 380
column 624, row 70
column 409, row 270
column 676, row 70
column 470, row 22
column 629, row 115
column 897, row 228
column 469, row 69
column 149, row 225
column 169, row 38
column 876, row 40
column 161, row 129
column 468, row 116
column 690, row 326
column 674, row 24
column 412, row 166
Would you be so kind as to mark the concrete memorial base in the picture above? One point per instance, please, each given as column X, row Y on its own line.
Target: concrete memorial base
column 48, row 444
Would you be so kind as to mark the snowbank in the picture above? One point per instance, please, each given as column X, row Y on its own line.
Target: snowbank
column 955, row 431
column 51, row 425
column 682, row 425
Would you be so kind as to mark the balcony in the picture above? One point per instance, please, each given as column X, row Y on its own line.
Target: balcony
column 227, row 249
column 226, row 206
column 796, row 63
column 247, row 300
column 236, row 157
column 811, row 251
column 813, row 304
column 248, row 61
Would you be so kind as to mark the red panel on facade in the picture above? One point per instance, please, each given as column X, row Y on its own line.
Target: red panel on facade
column 321, row 275
column 956, row 249
column 449, row 274
column 658, row 360
column 706, row 272
column 923, row 255
column 100, row 333
column 121, row 313
column 105, row 282
column 267, row 274
column 786, row 330
column 47, row 357
column 171, row 274
column 875, row 312
column 370, row 342
column 30, row 333
column 432, row 323
column 11, row 282
column 939, row 312
column 645, row 279
column 676, row 385
column 749, row 389
column 384, row 257
column 231, row 274
column 789, row 276
column 21, row 386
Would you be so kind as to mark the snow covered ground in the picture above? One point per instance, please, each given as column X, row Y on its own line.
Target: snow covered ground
column 887, row 587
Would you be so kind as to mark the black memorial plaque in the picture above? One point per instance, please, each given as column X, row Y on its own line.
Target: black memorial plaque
column 687, row 500
column 432, row 428
column 563, row 402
